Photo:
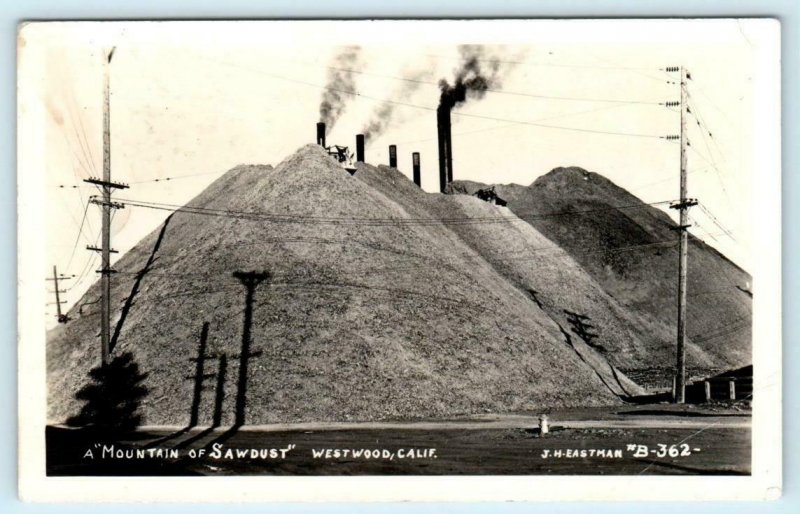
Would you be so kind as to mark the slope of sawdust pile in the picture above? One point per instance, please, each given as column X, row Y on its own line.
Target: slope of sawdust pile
column 632, row 253
column 373, row 309
column 551, row 280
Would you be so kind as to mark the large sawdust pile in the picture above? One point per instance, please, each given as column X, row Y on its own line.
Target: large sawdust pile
column 376, row 307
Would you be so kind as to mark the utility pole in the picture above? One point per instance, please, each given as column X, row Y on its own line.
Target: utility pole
column 62, row 318
column 683, row 206
column 107, row 205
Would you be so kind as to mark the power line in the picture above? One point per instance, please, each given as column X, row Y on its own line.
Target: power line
column 82, row 145
column 501, row 91
column 550, row 65
column 74, row 153
column 668, row 179
column 703, row 131
column 84, row 271
column 178, row 177
column 693, row 220
column 478, row 257
column 506, row 125
column 638, row 71
column 433, row 109
column 557, row 127
column 160, row 179
column 716, row 221
column 78, row 237
column 74, row 220
column 72, row 108
column 82, row 129
column 290, row 218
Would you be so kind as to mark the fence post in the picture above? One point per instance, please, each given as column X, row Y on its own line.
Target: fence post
column 673, row 387
column 707, row 386
column 732, row 388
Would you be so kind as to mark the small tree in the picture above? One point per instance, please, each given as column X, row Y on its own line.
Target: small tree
column 112, row 397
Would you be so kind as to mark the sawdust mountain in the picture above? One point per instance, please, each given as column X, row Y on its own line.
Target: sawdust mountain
column 630, row 249
column 379, row 302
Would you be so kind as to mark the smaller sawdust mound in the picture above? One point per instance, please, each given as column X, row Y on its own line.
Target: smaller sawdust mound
column 630, row 249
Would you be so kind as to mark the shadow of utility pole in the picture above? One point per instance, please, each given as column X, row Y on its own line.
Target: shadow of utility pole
column 126, row 307
column 250, row 280
column 199, row 377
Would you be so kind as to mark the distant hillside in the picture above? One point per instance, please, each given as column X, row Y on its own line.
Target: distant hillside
column 630, row 250
column 382, row 302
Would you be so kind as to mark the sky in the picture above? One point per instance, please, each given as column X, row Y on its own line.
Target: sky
column 191, row 100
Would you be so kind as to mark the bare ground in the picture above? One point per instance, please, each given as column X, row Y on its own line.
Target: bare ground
column 713, row 440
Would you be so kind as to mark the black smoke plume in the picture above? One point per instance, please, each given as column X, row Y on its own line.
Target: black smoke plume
column 477, row 73
column 341, row 83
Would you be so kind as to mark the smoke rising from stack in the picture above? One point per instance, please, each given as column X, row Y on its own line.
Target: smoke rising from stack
column 340, row 81
column 478, row 72
column 383, row 115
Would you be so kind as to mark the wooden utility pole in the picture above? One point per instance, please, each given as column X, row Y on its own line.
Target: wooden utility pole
column 683, row 206
column 105, row 267
column 62, row 318
column 416, row 169
column 107, row 205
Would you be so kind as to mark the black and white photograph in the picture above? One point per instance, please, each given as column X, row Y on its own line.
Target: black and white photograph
column 511, row 249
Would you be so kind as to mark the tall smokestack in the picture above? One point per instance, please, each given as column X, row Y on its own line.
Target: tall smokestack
column 415, row 162
column 476, row 75
column 445, row 146
column 321, row 134
column 360, row 148
column 393, row 156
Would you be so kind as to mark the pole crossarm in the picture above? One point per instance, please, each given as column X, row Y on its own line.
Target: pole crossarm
column 103, row 203
column 684, row 204
column 96, row 249
column 106, row 183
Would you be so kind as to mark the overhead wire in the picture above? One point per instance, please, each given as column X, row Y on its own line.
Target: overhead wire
column 715, row 220
column 294, row 218
column 88, row 147
column 178, row 177
column 400, row 221
column 78, row 237
column 431, row 109
column 73, row 110
column 503, row 91
column 507, row 125
column 551, row 65
column 704, row 130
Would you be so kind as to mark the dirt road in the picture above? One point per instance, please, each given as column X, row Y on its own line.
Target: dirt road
column 628, row 441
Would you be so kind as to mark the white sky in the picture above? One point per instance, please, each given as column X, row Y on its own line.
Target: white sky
column 199, row 98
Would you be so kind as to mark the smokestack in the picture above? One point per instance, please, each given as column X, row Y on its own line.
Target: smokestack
column 445, row 146
column 360, row 148
column 321, row 134
column 415, row 161
column 393, row 156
